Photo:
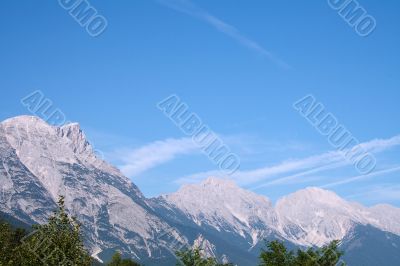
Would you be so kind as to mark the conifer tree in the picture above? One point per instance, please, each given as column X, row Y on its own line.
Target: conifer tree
column 56, row 243
column 276, row 254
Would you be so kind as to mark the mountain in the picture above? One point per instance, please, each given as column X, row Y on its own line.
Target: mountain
column 367, row 245
column 224, row 207
column 316, row 217
column 308, row 217
column 236, row 221
column 39, row 162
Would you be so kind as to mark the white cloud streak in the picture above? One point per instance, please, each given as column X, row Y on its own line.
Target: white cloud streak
column 296, row 168
column 139, row 160
column 295, row 177
column 362, row 177
column 189, row 8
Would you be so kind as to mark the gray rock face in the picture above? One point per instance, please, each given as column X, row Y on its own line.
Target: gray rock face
column 39, row 162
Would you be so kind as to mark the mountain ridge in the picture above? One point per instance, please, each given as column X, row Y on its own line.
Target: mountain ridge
column 40, row 162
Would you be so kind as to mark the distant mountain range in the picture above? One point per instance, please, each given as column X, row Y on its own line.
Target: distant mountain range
column 39, row 162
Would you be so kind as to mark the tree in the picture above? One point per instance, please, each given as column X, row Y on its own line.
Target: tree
column 10, row 239
column 328, row 255
column 118, row 261
column 277, row 254
column 193, row 257
column 56, row 243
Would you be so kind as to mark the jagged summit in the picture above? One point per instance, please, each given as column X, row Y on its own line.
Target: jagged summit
column 65, row 144
column 222, row 205
column 40, row 162
column 215, row 187
column 74, row 133
column 33, row 120
column 26, row 126
column 215, row 181
column 210, row 183
column 70, row 130
column 32, row 136
column 312, row 194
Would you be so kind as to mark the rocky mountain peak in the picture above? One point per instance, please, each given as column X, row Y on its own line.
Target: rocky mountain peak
column 215, row 181
column 74, row 133
column 40, row 162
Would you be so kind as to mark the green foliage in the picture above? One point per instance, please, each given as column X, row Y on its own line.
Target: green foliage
column 193, row 257
column 118, row 261
column 59, row 243
column 9, row 241
column 56, row 243
column 277, row 254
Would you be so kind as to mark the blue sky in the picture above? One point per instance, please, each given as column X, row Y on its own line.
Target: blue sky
column 238, row 65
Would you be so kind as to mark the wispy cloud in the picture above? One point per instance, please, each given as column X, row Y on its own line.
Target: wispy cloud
column 138, row 160
column 295, row 178
column 362, row 177
column 295, row 169
column 252, row 146
column 378, row 145
column 189, row 8
column 268, row 172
